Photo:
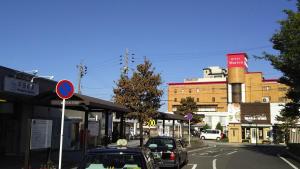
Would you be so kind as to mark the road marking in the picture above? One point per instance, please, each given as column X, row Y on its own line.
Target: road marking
column 203, row 154
column 217, row 155
column 215, row 164
column 231, row 152
column 194, row 166
column 289, row 163
column 199, row 149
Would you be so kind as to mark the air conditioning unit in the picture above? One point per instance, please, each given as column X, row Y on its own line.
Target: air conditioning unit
column 266, row 99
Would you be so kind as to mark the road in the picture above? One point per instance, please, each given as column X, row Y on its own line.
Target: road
column 235, row 157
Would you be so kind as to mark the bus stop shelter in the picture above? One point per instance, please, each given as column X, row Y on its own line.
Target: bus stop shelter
column 85, row 104
column 168, row 116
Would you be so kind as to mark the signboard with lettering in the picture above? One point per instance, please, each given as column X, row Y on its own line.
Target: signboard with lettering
column 67, row 102
column 93, row 128
column 257, row 113
column 20, row 86
column 41, row 132
column 234, row 113
column 237, row 60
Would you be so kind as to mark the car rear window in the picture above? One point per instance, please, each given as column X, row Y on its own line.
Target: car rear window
column 160, row 142
column 116, row 161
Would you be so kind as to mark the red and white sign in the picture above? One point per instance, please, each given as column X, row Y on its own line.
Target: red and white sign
column 237, row 60
column 64, row 89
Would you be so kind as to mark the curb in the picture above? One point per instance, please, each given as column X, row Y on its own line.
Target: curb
column 294, row 156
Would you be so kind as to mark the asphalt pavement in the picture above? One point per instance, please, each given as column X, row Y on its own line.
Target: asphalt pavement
column 234, row 156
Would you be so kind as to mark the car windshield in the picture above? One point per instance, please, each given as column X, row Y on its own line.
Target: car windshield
column 160, row 142
column 116, row 161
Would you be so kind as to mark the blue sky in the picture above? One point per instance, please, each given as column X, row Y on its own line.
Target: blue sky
column 179, row 37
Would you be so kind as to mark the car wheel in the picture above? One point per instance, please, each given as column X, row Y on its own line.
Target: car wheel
column 218, row 138
column 203, row 138
column 186, row 160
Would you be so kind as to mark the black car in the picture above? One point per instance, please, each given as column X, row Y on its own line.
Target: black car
column 118, row 157
column 168, row 151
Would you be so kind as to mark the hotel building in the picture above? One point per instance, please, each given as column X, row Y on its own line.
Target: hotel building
column 245, row 103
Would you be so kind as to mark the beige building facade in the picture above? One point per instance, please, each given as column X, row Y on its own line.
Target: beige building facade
column 240, row 100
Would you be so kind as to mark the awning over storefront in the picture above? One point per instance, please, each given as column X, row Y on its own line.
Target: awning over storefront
column 168, row 116
column 79, row 102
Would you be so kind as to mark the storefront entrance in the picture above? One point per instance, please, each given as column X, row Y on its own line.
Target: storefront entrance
column 253, row 135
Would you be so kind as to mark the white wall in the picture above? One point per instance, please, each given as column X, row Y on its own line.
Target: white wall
column 275, row 109
column 213, row 118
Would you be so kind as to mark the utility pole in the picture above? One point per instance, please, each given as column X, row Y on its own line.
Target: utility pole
column 82, row 70
column 124, row 60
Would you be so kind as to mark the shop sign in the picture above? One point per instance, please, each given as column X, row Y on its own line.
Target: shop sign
column 257, row 117
column 41, row 132
column 20, row 86
column 234, row 113
column 255, row 113
column 237, row 60
column 67, row 102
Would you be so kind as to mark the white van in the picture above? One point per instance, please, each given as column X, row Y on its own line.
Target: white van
column 211, row 134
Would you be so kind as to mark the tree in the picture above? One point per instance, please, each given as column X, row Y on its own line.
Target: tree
column 188, row 105
column 206, row 126
column 219, row 126
column 286, row 41
column 140, row 94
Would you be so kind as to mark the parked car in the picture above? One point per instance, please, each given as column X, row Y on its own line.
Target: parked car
column 118, row 157
column 169, row 152
column 211, row 134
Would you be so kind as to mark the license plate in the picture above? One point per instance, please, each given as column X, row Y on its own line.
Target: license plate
column 156, row 155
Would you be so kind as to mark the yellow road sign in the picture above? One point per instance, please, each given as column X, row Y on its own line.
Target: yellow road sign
column 151, row 122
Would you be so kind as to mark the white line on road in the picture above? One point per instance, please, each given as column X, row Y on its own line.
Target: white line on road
column 231, row 152
column 289, row 163
column 215, row 164
column 194, row 166
column 198, row 149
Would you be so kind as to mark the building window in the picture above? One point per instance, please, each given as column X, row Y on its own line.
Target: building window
column 175, row 91
column 266, row 88
column 190, row 90
column 198, row 90
column 213, row 99
column 197, row 99
column 175, row 99
column 207, row 108
column 282, row 89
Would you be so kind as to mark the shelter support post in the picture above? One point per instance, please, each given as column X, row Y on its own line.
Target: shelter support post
column 85, row 131
column 106, row 138
column 163, row 126
column 122, row 126
column 173, row 128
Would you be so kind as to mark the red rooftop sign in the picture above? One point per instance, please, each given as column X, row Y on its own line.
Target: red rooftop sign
column 237, row 60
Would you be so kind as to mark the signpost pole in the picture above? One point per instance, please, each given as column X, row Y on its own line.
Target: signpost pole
column 61, row 132
column 256, row 133
column 189, row 132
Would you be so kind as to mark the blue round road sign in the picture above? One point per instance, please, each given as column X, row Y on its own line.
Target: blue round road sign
column 189, row 116
column 64, row 89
